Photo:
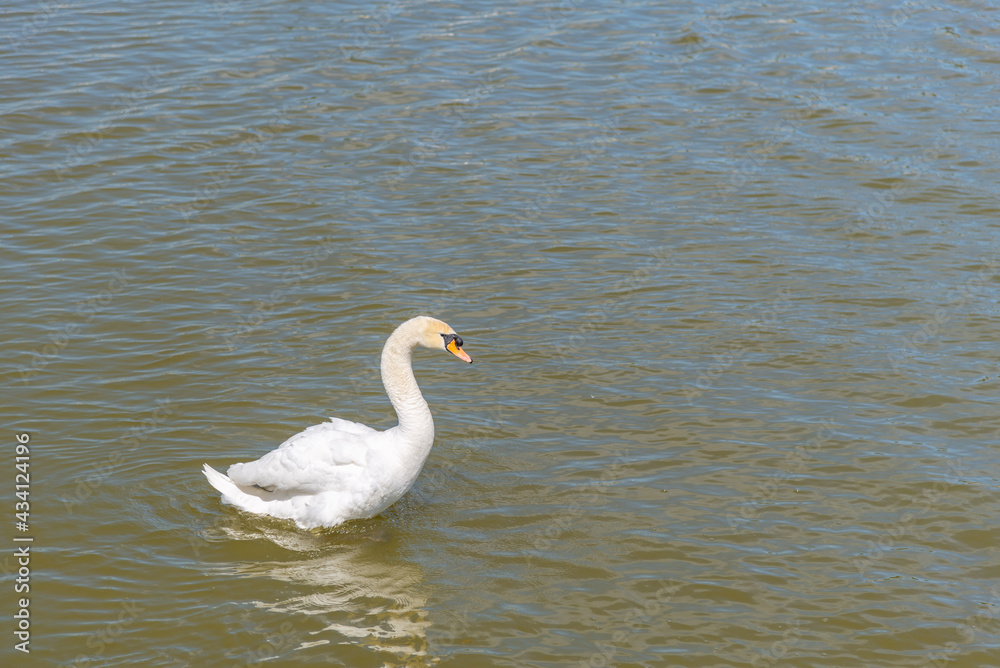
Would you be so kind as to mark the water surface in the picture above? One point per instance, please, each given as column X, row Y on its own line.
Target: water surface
column 729, row 274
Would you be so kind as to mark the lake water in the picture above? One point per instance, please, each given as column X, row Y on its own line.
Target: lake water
column 729, row 274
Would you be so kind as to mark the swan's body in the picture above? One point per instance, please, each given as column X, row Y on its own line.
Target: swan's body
column 342, row 470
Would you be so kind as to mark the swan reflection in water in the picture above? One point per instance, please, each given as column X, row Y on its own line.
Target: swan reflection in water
column 362, row 596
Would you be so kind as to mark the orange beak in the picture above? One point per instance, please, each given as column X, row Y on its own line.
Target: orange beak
column 455, row 350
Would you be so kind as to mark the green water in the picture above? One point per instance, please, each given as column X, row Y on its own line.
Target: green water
column 729, row 274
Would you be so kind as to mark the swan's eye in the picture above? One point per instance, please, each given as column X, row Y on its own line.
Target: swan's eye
column 448, row 338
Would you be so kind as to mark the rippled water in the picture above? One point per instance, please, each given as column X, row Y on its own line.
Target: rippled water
column 729, row 274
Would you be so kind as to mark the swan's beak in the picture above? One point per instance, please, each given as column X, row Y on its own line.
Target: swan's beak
column 456, row 350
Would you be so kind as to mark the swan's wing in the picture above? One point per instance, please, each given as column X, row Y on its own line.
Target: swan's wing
column 335, row 424
column 320, row 458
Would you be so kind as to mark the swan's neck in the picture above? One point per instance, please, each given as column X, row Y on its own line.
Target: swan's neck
column 415, row 422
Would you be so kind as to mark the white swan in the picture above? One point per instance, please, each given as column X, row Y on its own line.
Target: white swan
column 341, row 470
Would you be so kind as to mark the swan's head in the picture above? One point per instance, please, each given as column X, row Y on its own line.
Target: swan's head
column 437, row 334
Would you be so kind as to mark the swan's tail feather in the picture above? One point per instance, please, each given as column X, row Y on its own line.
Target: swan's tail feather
column 219, row 481
column 231, row 493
